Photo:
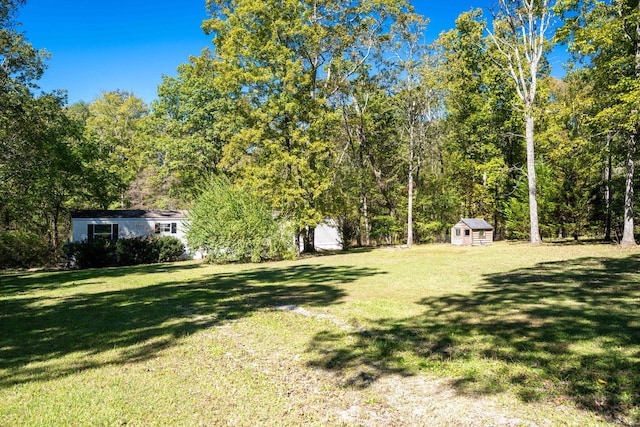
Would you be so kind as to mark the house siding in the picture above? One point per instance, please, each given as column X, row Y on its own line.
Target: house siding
column 482, row 241
column 327, row 236
column 473, row 239
column 131, row 227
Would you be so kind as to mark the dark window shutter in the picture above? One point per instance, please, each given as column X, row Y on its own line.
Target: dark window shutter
column 157, row 228
column 174, row 228
column 89, row 231
column 114, row 231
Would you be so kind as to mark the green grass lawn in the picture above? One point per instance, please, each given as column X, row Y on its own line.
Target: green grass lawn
column 436, row 335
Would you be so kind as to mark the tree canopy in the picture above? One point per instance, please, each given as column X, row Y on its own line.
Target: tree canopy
column 339, row 109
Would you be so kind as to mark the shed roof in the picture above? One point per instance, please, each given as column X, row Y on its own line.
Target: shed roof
column 129, row 213
column 477, row 224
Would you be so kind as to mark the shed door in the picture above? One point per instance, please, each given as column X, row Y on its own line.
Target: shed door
column 467, row 238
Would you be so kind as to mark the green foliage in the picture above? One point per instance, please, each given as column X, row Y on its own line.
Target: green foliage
column 22, row 249
column 386, row 229
column 114, row 126
column 348, row 229
column 231, row 224
column 168, row 248
column 91, row 253
column 139, row 250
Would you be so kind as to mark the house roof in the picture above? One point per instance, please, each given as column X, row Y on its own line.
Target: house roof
column 128, row 213
column 477, row 223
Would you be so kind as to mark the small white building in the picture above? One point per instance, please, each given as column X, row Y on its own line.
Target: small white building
column 126, row 224
column 327, row 236
column 472, row 232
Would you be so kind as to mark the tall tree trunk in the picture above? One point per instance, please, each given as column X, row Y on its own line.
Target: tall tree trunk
column 410, row 189
column 628, row 238
column 309, row 240
column 607, row 191
column 531, row 172
column 365, row 214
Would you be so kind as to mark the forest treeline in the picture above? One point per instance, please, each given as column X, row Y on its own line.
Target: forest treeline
column 340, row 109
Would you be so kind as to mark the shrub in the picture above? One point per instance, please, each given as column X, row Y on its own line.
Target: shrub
column 385, row 229
column 22, row 249
column 168, row 249
column 91, row 253
column 134, row 251
column 231, row 224
column 348, row 229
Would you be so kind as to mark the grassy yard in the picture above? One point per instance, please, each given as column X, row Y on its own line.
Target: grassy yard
column 436, row 335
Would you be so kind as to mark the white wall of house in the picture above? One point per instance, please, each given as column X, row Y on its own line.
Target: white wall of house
column 327, row 236
column 132, row 227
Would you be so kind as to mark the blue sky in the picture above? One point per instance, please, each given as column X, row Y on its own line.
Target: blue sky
column 100, row 46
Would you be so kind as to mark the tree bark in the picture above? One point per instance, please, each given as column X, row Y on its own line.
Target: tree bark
column 628, row 238
column 410, row 189
column 531, row 173
column 607, row 191
column 309, row 240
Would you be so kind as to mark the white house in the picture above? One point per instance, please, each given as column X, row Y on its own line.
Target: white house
column 126, row 224
column 114, row 224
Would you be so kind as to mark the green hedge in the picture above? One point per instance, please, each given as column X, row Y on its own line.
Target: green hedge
column 108, row 253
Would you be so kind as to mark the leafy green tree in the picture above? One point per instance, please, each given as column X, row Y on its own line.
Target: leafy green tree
column 114, row 126
column 231, row 224
column 284, row 61
column 520, row 36
column 367, row 182
column 192, row 121
column 417, row 100
column 43, row 158
column 482, row 155
column 607, row 35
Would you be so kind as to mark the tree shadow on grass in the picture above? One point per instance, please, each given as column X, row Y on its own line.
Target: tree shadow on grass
column 557, row 330
column 119, row 326
column 14, row 283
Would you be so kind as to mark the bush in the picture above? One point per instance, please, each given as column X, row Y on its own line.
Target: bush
column 231, row 224
column 91, row 253
column 139, row 250
column 168, row 249
column 22, row 249
column 134, row 251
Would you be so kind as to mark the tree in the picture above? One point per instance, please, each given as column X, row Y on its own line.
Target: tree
column 607, row 34
column 284, row 61
column 367, row 170
column 191, row 122
column 416, row 104
column 114, row 124
column 519, row 34
column 231, row 224
column 42, row 154
column 482, row 156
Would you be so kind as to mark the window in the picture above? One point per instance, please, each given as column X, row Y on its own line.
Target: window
column 466, row 232
column 481, row 233
column 457, row 232
column 102, row 231
column 166, row 227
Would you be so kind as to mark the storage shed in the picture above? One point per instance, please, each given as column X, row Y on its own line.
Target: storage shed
column 472, row 232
